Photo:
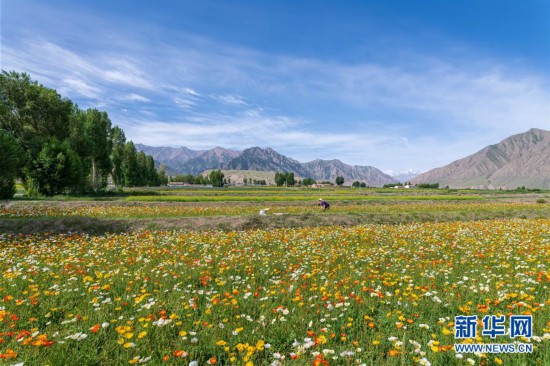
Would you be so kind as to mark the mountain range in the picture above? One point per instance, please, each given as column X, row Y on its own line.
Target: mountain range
column 519, row 160
column 186, row 161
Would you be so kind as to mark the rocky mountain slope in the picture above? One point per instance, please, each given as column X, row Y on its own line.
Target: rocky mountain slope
column 520, row 160
column 187, row 161
column 209, row 159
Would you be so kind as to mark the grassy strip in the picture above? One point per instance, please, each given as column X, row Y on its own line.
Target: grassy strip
column 230, row 198
column 101, row 225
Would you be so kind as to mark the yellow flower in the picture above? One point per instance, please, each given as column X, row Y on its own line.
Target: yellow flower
column 260, row 345
column 142, row 334
column 498, row 360
column 221, row 343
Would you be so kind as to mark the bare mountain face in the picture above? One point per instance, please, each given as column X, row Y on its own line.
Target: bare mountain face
column 330, row 169
column 211, row 159
column 260, row 159
column 187, row 161
column 520, row 160
column 170, row 156
column 268, row 159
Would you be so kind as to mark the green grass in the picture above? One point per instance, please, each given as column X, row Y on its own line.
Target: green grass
column 297, row 197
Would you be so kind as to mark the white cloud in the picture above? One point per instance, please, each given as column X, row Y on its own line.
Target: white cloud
column 133, row 97
column 80, row 87
column 191, row 92
column 184, row 103
column 231, row 99
column 418, row 112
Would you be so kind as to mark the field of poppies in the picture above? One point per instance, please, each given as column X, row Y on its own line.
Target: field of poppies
column 367, row 294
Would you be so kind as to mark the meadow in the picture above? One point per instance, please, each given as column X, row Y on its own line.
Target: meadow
column 346, row 292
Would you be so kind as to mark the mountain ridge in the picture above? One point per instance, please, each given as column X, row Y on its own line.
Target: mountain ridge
column 187, row 161
column 519, row 160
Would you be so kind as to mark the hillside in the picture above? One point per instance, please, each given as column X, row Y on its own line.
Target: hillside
column 520, row 160
column 210, row 159
column 170, row 156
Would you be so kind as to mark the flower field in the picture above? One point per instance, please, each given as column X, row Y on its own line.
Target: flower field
column 370, row 294
column 119, row 209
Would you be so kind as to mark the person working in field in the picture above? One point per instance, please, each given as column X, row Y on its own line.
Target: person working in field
column 324, row 204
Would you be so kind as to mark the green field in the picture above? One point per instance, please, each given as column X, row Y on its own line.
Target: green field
column 197, row 276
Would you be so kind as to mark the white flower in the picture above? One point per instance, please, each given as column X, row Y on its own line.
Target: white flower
column 459, row 356
column 77, row 336
column 392, row 339
column 105, row 325
column 424, row 362
column 347, row 353
column 470, row 361
column 194, row 363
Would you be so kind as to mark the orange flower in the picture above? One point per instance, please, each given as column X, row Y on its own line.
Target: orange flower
column 393, row 353
column 212, row 361
column 9, row 354
column 180, row 353
column 95, row 328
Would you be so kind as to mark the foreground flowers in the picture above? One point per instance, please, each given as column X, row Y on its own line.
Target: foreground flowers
column 367, row 294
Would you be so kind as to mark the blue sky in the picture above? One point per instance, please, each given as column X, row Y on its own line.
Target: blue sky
column 393, row 84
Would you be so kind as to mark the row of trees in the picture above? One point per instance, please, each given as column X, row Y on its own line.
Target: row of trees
column 287, row 179
column 216, row 178
column 53, row 147
column 256, row 182
column 284, row 179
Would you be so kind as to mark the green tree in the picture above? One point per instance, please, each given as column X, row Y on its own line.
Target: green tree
column 289, row 179
column 142, row 169
column 216, row 178
column 10, row 162
column 56, row 169
column 32, row 113
column 95, row 145
column 97, row 133
column 163, row 178
column 356, row 184
column 118, row 139
column 130, row 167
column 308, row 181
column 280, row 179
column 339, row 180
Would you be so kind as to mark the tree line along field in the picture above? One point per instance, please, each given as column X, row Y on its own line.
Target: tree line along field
column 376, row 280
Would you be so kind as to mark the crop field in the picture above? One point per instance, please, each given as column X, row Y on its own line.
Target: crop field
column 367, row 293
